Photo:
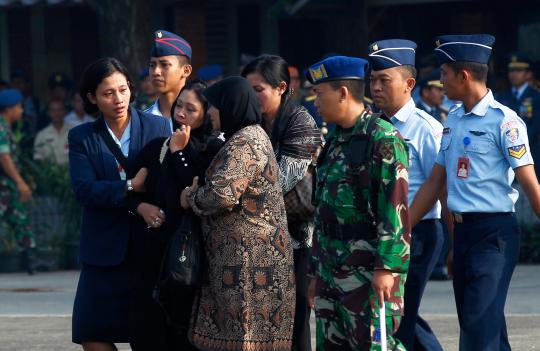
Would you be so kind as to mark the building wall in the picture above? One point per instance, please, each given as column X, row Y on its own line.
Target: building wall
column 42, row 40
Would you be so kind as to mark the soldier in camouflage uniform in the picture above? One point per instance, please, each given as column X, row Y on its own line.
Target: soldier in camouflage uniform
column 13, row 189
column 361, row 244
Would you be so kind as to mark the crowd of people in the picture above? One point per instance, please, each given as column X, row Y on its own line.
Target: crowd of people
column 304, row 196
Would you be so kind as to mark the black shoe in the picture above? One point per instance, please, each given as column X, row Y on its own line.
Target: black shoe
column 439, row 275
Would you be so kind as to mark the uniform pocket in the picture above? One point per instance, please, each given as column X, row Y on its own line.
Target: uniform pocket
column 479, row 147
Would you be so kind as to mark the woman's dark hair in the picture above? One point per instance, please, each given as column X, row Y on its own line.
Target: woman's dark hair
column 274, row 70
column 197, row 86
column 94, row 74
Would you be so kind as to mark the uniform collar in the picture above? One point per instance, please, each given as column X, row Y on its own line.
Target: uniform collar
column 481, row 108
column 405, row 112
column 342, row 134
column 519, row 91
column 426, row 106
column 126, row 136
column 154, row 109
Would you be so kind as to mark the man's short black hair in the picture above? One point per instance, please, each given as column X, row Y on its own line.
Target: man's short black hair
column 183, row 60
column 355, row 86
column 408, row 71
column 479, row 71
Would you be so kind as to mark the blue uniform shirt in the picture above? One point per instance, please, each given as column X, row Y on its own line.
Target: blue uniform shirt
column 494, row 140
column 423, row 135
column 154, row 109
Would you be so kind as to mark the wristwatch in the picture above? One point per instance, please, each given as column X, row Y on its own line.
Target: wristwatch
column 129, row 185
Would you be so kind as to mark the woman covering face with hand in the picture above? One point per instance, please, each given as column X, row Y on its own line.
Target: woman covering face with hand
column 171, row 163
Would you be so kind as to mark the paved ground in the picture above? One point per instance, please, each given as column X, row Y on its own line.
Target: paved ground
column 35, row 311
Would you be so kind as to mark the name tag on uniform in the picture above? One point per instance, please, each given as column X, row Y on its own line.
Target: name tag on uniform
column 463, row 167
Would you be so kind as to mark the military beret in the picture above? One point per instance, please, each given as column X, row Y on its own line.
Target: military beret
column 470, row 48
column 337, row 68
column 170, row 44
column 210, row 72
column 10, row 97
column 519, row 60
column 390, row 53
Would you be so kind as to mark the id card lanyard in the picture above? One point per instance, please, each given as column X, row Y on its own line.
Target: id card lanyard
column 463, row 164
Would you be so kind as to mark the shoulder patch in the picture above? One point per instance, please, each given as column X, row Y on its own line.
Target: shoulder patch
column 517, row 151
column 512, row 135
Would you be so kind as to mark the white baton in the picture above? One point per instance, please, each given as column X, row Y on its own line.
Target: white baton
column 382, row 325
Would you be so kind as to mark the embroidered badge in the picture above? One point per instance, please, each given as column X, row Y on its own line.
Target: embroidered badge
column 512, row 135
column 318, row 73
column 508, row 124
column 517, row 151
column 446, row 130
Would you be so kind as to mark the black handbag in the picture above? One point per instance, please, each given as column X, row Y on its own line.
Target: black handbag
column 182, row 262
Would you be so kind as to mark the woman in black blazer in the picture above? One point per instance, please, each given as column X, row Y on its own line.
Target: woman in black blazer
column 101, row 181
column 172, row 163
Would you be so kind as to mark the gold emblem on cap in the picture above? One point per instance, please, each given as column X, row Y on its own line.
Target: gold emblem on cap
column 514, row 58
column 318, row 73
column 375, row 47
column 438, row 43
column 159, row 34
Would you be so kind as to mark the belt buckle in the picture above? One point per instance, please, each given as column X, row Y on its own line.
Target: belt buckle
column 458, row 218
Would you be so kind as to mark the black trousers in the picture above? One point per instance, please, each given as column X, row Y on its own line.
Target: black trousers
column 486, row 252
column 301, row 333
column 414, row 332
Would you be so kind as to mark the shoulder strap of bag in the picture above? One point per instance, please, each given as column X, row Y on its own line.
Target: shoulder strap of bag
column 113, row 147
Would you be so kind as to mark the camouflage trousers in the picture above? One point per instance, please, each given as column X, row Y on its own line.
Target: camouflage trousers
column 346, row 310
column 347, row 314
column 13, row 213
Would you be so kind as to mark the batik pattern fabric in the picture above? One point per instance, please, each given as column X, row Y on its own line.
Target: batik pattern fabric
column 247, row 298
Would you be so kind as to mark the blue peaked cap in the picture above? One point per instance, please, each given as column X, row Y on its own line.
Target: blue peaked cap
column 169, row 44
column 337, row 68
column 390, row 53
column 470, row 48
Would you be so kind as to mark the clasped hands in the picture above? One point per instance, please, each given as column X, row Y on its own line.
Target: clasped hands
column 187, row 191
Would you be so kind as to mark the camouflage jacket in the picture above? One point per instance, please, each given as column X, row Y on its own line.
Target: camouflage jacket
column 7, row 146
column 365, row 184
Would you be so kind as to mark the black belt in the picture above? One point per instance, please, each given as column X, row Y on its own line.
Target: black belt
column 349, row 231
column 477, row 216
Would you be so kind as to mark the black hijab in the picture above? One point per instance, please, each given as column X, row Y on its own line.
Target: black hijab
column 237, row 103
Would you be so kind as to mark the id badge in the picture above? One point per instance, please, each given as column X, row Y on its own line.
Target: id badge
column 463, row 167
